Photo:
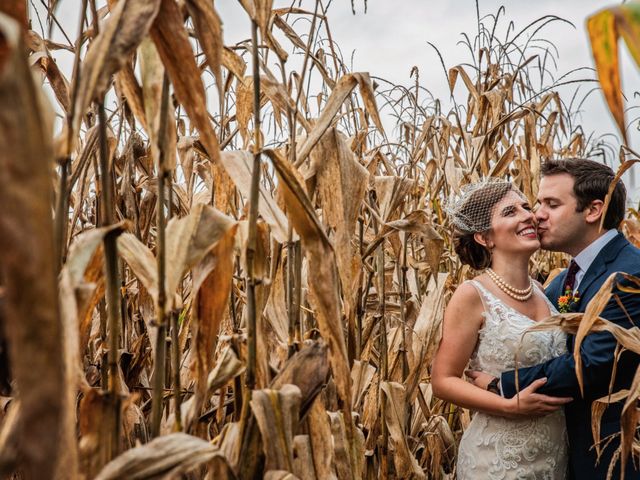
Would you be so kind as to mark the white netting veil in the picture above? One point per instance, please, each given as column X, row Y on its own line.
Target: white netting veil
column 470, row 211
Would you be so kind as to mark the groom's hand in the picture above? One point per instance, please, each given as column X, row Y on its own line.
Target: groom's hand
column 531, row 404
column 479, row 379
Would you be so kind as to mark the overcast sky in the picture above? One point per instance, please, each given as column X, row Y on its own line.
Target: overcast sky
column 391, row 37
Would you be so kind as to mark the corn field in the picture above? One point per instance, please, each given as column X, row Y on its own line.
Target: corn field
column 230, row 261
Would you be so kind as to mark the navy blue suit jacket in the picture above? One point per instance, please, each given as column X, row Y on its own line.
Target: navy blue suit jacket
column 597, row 351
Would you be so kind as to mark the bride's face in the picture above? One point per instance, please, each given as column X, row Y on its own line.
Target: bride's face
column 513, row 226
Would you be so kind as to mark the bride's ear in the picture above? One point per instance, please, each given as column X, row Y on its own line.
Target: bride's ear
column 481, row 239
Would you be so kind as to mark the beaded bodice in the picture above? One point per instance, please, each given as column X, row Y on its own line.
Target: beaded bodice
column 498, row 448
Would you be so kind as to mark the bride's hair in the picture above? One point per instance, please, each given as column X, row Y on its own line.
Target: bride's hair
column 469, row 251
column 470, row 213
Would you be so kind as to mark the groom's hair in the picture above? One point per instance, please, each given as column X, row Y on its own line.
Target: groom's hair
column 591, row 182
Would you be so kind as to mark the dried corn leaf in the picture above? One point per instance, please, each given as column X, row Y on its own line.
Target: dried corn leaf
column 428, row 329
column 119, row 37
column 631, row 228
column 629, row 420
column 322, row 262
column 319, row 431
column 140, row 259
column 626, row 165
column 404, row 461
column 31, row 322
column 234, row 63
column 279, row 475
column 127, row 83
column 605, row 27
column 307, row 370
column 277, row 413
column 239, row 165
column 341, row 186
column 9, row 433
column 57, row 80
column 391, row 192
column 628, row 338
column 595, row 307
column 172, row 42
column 152, row 75
column 212, row 300
column 339, row 94
column 84, row 253
column 168, row 457
column 208, row 28
column 417, row 222
column 361, row 376
column 302, row 459
column 597, row 409
column 94, row 412
column 453, row 76
column 349, row 455
column 189, row 239
column 227, row 368
column 260, row 12
column 275, row 312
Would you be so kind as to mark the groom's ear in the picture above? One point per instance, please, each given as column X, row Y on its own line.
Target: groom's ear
column 594, row 211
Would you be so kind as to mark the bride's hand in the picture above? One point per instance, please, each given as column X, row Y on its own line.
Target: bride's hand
column 532, row 404
column 479, row 379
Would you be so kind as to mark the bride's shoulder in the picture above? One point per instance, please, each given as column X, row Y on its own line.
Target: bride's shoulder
column 465, row 307
column 466, row 295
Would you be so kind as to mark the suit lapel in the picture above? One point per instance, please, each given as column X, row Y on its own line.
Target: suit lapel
column 599, row 265
column 597, row 268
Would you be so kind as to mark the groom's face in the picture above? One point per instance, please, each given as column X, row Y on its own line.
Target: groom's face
column 560, row 226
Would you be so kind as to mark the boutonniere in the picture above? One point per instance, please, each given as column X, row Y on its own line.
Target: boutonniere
column 568, row 302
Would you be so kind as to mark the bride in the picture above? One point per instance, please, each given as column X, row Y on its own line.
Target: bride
column 484, row 322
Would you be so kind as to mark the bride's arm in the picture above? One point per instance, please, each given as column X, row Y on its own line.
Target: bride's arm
column 462, row 322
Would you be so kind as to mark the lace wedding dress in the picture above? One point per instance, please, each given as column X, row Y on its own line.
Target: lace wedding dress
column 501, row 448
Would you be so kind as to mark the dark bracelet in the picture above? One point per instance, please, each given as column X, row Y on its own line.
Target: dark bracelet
column 494, row 386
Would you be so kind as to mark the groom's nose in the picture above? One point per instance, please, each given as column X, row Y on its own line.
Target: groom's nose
column 541, row 214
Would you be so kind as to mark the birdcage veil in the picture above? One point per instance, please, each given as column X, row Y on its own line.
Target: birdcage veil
column 470, row 210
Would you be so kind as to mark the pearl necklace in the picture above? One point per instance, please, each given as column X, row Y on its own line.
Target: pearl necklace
column 516, row 293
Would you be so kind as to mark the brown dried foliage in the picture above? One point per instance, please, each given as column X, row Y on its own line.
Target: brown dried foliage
column 353, row 259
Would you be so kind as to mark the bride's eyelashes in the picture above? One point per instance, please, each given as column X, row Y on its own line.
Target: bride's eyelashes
column 511, row 209
column 506, row 211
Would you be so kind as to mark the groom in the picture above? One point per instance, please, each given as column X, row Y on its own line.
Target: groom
column 571, row 198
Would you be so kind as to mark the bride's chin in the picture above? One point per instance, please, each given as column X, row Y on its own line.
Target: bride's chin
column 529, row 249
column 532, row 250
column 531, row 245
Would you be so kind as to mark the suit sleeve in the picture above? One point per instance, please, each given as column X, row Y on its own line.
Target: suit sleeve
column 597, row 351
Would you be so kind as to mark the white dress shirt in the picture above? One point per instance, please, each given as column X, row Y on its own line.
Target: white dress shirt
column 586, row 257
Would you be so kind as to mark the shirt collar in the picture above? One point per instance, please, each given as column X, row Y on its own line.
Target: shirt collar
column 586, row 257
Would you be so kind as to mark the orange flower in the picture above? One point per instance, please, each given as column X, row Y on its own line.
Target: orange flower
column 567, row 301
